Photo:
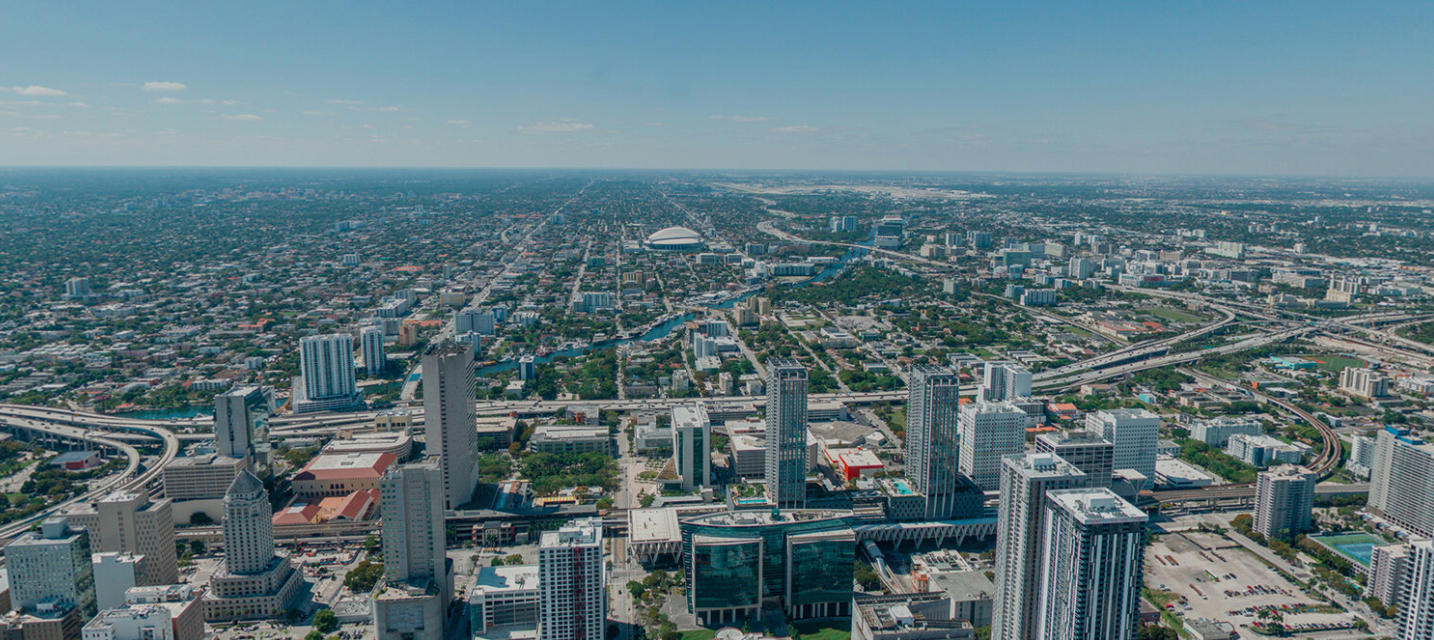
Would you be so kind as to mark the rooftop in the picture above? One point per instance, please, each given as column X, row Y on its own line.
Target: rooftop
column 653, row 525
column 758, row 517
column 1096, row 506
column 346, row 466
column 507, row 578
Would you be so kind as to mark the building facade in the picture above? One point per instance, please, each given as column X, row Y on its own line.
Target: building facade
column 1092, row 454
column 692, row 446
column 371, row 348
column 51, row 567
column 1091, row 566
column 786, row 459
column 1284, row 500
column 933, row 438
column 130, row 522
column 253, row 581
column 1135, row 434
column 449, row 418
column 572, row 594
column 1026, row 479
column 412, row 602
column 989, row 430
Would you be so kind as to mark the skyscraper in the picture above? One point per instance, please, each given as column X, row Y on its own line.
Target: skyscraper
column 1284, row 500
column 989, row 430
column 128, row 522
column 1094, row 544
column 241, row 417
column 1402, row 479
column 374, row 359
column 1025, row 481
column 692, row 445
column 413, row 602
column 1089, row 452
column 1003, row 381
column 1416, row 602
column 326, row 374
column 254, row 581
column 572, row 600
column 786, row 472
column 933, row 437
column 51, row 566
column 1135, row 434
column 449, row 418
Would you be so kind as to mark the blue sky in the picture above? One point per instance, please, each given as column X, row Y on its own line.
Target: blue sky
column 1269, row 88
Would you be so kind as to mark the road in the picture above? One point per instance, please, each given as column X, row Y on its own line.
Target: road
column 84, row 426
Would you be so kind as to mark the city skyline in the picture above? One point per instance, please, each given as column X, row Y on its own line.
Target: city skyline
column 1223, row 90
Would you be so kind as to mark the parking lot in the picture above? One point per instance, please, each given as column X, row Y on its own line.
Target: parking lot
column 1216, row 578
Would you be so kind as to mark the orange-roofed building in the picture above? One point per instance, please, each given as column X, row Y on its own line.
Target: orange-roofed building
column 1063, row 410
column 298, row 513
column 354, row 506
column 337, row 475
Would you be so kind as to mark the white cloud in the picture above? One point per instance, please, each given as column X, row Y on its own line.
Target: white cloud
column 461, row 123
column 344, row 101
column 800, row 129
column 745, row 118
column 79, row 105
column 243, row 117
column 227, row 103
column 319, row 113
column 165, row 86
column 390, row 109
column 38, row 91
column 168, row 100
column 656, row 124
column 555, row 127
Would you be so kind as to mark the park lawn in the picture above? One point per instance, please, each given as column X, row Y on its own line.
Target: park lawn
column 1334, row 364
column 822, row 631
column 698, row 634
column 1173, row 315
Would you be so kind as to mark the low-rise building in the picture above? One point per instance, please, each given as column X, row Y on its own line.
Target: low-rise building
column 504, row 598
column 335, row 475
column 553, row 438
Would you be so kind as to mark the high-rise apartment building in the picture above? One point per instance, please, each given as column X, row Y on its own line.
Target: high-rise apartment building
column 1284, row 500
column 241, row 417
column 1364, row 382
column 51, row 567
column 1092, row 454
column 371, row 347
column 1402, row 481
column 412, row 603
column 786, row 460
column 326, row 374
column 572, row 598
column 1091, row 566
column 449, row 418
column 933, row 438
column 77, row 288
column 1388, row 570
column 1002, row 381
column 129, row 522
column 1416, row 602
column 989, row 430
column 1135, row 434
column 692, row 445
column 1025, row 481
column 254, row 581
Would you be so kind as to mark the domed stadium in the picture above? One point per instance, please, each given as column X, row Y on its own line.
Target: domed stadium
column 674, row 239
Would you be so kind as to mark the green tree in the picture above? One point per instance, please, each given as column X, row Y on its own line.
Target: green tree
column 326, row 621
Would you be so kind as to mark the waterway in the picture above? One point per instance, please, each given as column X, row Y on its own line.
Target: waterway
column 662, row 330
column 181, row 413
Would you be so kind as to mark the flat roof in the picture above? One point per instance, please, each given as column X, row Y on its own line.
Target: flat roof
column 507, row 578
column 1096, row 506
column 653, row 525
